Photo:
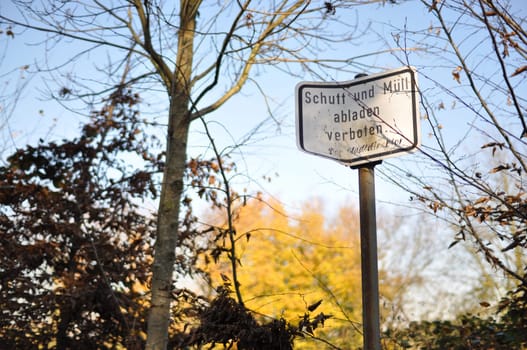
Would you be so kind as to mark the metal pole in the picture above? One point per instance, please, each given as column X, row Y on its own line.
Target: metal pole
column 368, row 242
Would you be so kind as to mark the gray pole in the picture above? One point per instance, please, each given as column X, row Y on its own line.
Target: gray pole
column 368, row 243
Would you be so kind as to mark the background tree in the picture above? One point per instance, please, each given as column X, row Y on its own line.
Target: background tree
column 306, row 266
column 76, row 247
column 184, row 50
column 287, row 266
column 473, row 163
column 77, row 240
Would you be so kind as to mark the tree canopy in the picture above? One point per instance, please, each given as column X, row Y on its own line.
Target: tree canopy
column 76, row 248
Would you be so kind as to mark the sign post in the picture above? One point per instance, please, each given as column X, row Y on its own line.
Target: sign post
column 368, row 248
column 359, row 123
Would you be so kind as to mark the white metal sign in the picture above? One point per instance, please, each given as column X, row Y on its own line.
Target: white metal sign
column 359, row 121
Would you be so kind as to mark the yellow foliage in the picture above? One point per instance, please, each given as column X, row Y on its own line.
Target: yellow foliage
column 289, row 263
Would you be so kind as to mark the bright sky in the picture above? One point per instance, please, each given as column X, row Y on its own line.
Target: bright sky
column 300, row 176
column 296, row 176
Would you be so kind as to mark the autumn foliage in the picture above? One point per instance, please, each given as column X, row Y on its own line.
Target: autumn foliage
column 302, row 268
column 75, row 247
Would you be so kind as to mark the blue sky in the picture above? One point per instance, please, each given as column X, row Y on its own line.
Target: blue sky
column 300, row 176
column 273, row 151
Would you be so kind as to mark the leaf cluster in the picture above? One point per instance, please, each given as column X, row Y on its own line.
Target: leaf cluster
column 206, row 176
column 507, row 211
column 470, row 331
column 227, row 322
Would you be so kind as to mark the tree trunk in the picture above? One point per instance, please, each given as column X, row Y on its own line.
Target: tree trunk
column 172, row 185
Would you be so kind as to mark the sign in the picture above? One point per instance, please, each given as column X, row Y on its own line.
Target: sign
column 362, row 120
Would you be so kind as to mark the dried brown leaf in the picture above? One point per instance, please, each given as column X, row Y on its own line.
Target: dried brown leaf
column 456, row 77
column 500, row 168
column 519, row 70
